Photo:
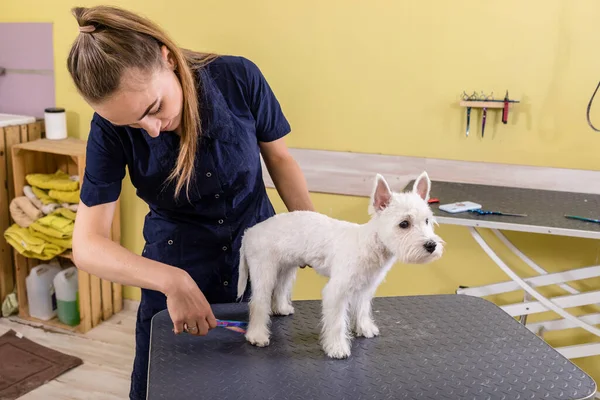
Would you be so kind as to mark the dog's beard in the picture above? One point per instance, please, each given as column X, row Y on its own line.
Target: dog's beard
column 415, row 253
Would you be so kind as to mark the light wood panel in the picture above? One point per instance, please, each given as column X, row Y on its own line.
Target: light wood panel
column 352, row 174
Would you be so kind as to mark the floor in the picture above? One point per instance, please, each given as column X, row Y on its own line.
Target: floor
column 107, row 352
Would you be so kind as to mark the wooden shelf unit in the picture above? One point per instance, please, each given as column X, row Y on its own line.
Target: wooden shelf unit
column 10, row 136
column 98, row 299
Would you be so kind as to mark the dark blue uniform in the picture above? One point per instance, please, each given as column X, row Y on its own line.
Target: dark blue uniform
column 203, row 237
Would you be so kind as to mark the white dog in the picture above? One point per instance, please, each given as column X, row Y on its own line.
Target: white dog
column 354, row 257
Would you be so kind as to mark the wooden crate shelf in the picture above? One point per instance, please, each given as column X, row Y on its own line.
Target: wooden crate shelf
column 10, row 136
column 98, row 299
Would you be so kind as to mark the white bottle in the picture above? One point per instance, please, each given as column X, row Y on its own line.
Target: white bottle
column 55, row 122
column 40, row 291
column 67, row 290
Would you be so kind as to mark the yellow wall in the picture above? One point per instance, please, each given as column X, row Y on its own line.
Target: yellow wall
column 384, row 77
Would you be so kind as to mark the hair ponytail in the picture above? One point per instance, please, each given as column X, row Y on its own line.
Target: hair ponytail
column 112, row 40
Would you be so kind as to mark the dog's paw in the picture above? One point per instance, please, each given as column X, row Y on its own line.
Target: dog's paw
column 338, row 350
column 367, row 329
column 259, row 339
column 283, row 309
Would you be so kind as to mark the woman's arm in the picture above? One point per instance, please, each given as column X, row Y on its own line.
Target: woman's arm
column 287, row 175
column 94, row 252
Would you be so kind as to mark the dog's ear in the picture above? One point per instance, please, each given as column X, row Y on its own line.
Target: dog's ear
column 381, row 195
column 422, row 186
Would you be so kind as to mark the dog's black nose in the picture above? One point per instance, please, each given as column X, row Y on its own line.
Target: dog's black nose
column 430, row 246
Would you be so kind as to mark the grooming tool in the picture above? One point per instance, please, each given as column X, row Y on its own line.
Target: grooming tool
column 433, row 200
column 485, row 212
column 236, row 326
column 505, row 109
column 583, row 218
column 484, row 117
column 468, row 119
column 589, row 107
column 483, row 121
column 466, row 97
column 459, row 207
column 239, row 324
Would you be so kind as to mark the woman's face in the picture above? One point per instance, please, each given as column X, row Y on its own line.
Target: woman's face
column 151, row 100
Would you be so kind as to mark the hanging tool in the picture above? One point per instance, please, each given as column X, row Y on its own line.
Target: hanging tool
column 466, row 97
column 505, row 109
column 485, row 98
column 583, row 218
column 483, row 120
column 589, row 107
column 484, row 212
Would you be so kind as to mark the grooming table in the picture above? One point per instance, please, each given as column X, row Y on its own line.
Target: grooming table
column 545, row 212
column 430, row 347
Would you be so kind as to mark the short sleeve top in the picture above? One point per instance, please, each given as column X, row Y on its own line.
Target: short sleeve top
column 238, row 110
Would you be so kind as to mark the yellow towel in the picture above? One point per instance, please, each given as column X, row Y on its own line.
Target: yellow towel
column 65, row 243
column 63, row 196
column 29, row 246
column 58, row 181
column 42, row 195
column 65, row 212
column 54, row 225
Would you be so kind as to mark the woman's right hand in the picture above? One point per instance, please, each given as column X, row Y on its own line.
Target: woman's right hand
column 188, row 306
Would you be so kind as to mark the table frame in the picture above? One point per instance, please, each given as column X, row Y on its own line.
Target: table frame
column 533, row 301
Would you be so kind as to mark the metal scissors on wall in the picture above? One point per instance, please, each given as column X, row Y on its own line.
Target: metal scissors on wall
column 485, row 98
column 466, row 97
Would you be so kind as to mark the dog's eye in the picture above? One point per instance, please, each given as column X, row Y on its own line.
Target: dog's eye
column 427, row 221
column 404, row 224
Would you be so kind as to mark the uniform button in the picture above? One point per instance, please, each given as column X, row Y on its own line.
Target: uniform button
column 225, row 283
column 220, row 221
column 224, row 248
column 170, row 242
column 217, row 196
column 208, row 174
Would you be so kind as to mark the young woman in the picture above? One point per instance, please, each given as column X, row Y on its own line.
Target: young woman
column 189, row 128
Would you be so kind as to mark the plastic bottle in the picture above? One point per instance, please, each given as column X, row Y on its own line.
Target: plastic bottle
column 40, row 291
column 67, row 296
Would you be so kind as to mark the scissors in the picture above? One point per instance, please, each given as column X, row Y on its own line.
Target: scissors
column 466, row 97
column 485, row 98
column 484, row 212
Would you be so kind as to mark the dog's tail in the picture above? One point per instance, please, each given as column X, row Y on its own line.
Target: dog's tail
column 243, row 272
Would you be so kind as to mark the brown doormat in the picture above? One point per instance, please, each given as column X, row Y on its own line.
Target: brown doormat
column 26, row 365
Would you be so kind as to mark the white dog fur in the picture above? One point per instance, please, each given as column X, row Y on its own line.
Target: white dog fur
column 355, row 258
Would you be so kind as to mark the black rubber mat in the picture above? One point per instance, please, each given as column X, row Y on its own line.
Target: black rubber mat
column 430, row 347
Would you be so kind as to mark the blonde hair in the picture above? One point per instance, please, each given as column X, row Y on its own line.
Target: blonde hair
column 112, row 40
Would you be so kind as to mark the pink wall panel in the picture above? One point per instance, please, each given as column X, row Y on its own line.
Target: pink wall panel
column 26, row 51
